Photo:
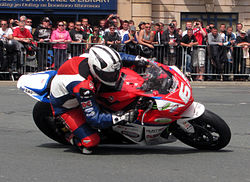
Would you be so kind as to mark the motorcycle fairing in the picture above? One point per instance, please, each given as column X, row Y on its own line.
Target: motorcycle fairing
column 36, row 84
column 144, row 135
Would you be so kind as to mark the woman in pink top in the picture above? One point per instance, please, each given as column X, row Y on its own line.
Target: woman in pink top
column 60, row 50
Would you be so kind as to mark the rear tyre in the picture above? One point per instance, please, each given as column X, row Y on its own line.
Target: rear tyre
column 44, row 120
column 211, row 132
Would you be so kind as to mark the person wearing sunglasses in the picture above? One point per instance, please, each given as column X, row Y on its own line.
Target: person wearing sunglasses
column 78, row 36
column 61, row 36
column 171, row 39
column 6, row 34
column 94, row 38
column 111, row 38
column 42, row 35
column 145, row 40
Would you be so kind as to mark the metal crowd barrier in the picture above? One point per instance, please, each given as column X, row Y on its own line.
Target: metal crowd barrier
column 237, row 63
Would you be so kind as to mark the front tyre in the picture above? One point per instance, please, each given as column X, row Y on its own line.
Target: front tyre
column 44, row 120
column 211, row 132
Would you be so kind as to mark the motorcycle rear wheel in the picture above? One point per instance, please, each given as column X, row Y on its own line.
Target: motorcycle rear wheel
column 211, row 132
column 44, row 120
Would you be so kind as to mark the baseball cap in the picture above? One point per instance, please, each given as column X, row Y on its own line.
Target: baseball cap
column 46, row 19
column 132, row 28
column 243, row 31
column 142, row 22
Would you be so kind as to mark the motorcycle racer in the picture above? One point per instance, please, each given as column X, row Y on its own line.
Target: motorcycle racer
column 73, row 90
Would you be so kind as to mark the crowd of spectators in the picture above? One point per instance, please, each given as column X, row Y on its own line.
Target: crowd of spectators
column 124, row 35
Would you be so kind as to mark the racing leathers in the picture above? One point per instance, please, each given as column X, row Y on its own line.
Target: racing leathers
column 72, row 97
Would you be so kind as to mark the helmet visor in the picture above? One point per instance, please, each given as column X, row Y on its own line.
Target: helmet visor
column 107, row 76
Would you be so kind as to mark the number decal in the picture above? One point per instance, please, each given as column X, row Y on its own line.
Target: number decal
column 184, row 93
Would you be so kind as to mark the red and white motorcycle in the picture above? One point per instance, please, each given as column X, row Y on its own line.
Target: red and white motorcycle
column 162, row 97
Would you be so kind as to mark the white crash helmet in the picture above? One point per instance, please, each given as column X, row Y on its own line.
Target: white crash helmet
column 105, row 64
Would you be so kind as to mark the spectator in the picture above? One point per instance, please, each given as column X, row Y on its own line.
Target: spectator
column 242, row 41
column 189, row 41
column 239, row 27
column 179, row 31
column 102, row 27
column 157, row 34
column 161, row 28
column 141, row 27
column 77, row 34
column 71, row 26
column 60, row 50
column 6, row 34
column 94, row 38
column 217, row 50
column 214, row 38
column 23, row 37
column 130, row 41
column 29, row 23
column 199, row 53
column 145, row 40
column 229, row 40
column 113, row 19
column 210, row 27
column 24, row 19
column 111, row 38
column 171, row 39
column 42, row 34
column 223, row 31
column 86, row 26
column 124, row 30
column 175, row 24
column 189, row 26
column 13, row 23
column 131, row 23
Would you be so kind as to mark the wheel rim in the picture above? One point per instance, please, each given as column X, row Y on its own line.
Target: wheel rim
column 204, row 134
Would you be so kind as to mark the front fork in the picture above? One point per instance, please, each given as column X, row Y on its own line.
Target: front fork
column 195, row 110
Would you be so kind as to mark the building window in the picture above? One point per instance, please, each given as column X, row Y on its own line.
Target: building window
column 229, row 19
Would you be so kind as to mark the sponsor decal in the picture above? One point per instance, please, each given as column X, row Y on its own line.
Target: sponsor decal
column 130, row 134
column 184, row 93
column 87, row 104
column 163, row 120
column 90, row 114
column 155, row 130
column 91, row 85
column 28, row 91
column 86, row 141
column 153, row 136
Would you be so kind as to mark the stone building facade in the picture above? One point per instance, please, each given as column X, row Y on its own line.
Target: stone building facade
column 210, row 11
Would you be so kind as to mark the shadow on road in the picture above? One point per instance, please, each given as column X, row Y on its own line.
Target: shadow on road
column 134, row 149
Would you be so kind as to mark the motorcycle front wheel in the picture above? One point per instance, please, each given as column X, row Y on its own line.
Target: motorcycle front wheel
column 211, row 132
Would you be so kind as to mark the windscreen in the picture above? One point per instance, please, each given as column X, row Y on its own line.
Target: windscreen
column 157, row 79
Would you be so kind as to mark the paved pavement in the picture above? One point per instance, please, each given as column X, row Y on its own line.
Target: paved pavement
column 26, row 155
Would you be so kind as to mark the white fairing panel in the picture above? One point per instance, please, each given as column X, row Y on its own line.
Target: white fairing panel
column 36, row 81
column 193, row 111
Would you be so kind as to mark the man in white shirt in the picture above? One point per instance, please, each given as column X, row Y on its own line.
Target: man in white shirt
column 6, row 34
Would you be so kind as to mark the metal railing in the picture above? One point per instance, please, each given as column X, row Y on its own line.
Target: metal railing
column 235, row 64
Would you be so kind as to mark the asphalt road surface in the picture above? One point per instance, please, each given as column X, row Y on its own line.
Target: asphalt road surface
column 26, row 155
